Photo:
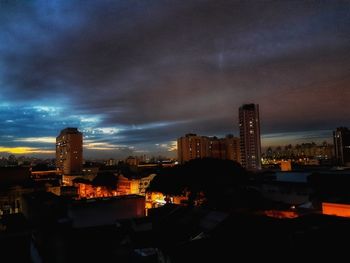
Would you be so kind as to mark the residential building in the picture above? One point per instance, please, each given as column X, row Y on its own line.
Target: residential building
column 232, row 148
column 249, row 130
column 69, row 152
column 342, row 146
column 193, row 146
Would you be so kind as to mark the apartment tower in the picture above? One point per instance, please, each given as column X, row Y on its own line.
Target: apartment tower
column 249, row 131
column 69, row 152
column 341, row 137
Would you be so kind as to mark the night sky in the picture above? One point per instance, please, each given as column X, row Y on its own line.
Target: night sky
column 136, row 75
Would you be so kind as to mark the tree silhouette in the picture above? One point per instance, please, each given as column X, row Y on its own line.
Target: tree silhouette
column 214, row 178
column 106, row 179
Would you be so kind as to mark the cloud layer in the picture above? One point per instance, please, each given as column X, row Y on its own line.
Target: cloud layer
column 133, row 74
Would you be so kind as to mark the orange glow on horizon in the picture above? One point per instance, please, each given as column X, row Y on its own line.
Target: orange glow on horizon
column 24, row 150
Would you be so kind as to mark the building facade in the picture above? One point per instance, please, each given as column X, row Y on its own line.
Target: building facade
column 249, row 131
column 341, row 137
column 69, row 152
column 192, row 146
column 233, row 151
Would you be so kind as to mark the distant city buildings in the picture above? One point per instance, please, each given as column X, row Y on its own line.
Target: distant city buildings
column 15, row 160
column 132, row 160
column 69, row 152
column 341, row 137
column 111, row 162
column 305, row 153
column 249, row 131
column 193, row 146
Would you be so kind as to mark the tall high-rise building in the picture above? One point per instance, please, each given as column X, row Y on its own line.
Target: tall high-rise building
column 69, row 151
column 249, row 131
column 193, row 146
column 341, row 137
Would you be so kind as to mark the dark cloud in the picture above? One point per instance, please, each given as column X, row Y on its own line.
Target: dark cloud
column 186, row 64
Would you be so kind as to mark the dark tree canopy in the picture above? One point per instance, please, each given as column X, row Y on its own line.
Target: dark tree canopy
column 42, row 167
column 107, row 179
column 126, row 170
column 213, row 177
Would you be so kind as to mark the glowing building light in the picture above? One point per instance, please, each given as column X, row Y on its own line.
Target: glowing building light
column 335, row 209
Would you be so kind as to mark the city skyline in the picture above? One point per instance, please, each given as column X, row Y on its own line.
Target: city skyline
column 135, row 76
